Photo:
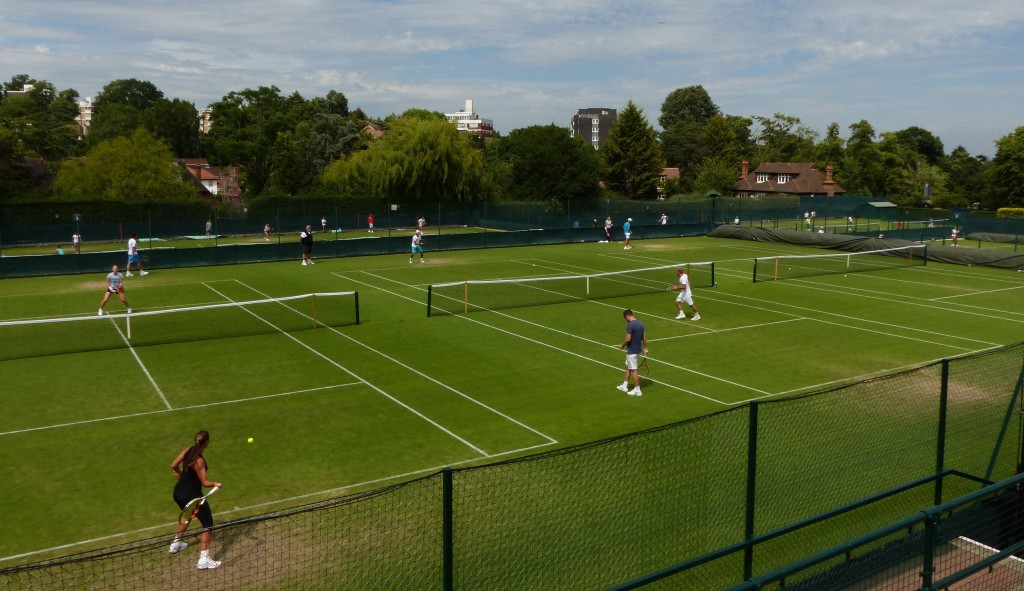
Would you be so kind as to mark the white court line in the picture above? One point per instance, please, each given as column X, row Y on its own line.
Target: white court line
column 351, row 373
column 142, row 365
column 561, row 350
column 169, row 526
column 178, row 409
column 429, row 378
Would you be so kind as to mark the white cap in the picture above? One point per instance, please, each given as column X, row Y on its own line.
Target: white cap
column 629, row 219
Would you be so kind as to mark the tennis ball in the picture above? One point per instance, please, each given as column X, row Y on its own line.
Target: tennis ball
column 249, row 440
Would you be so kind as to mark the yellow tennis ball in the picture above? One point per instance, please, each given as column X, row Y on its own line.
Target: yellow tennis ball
column 249, row 440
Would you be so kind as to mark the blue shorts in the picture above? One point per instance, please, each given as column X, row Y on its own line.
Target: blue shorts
column 133, row 258
column 417, row 249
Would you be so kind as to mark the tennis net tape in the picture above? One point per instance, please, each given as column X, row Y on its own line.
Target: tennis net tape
column 55, row 336
column 467, row 296
column 793, row 266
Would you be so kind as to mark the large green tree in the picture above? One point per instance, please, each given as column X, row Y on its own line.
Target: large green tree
column 119, row 108
column 922, row 141
column 691, row 104
column 244, row 133
column 1008, row 169
column 966, row 178
column 417, row 160
column 176, row 122
column 136, row 169
column 547, row 164
column 782, row 138
column 631, row 157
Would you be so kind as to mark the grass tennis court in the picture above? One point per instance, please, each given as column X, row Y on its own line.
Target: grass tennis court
column 87, row 438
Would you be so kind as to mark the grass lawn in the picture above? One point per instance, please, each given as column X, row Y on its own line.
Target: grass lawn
column 343, row 409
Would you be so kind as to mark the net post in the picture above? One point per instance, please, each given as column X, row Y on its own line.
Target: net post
column 465, row 298
column 357, row 307
column 429, row 294
column 588, row 284
column 128, row 325
column 755, row 270
column 776, row 269
column 314, row 310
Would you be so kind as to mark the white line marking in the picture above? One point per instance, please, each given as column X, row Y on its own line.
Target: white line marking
column 351, row 373
column 179, row 409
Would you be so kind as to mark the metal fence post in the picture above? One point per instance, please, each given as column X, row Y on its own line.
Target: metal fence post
column 448, row 545
column 748, row 551
column 940, row 452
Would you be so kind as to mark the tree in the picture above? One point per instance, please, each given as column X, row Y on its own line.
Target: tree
column 118, row 108
column 1008, row 168
column 43, row 121
column 716, row 176
column 781, row 138
column 418, row 160
column 687, row 105
column 137, row 169
column 923, row 142
column 632, row 160
column 244, row 132
column 547, row 164
column 966, row 178
column 830, row 150
column 176, row 122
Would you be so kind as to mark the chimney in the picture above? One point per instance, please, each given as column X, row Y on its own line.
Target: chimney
column 745, row 169
column 830, row 185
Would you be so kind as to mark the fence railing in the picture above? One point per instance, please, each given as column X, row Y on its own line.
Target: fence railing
column 597, row 515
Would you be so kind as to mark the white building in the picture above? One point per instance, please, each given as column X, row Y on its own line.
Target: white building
column 467, row 120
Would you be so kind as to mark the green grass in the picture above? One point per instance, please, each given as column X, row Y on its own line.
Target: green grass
column 334, row 411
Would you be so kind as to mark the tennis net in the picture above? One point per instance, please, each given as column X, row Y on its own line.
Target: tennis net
column 467, row 296
column 790, row 267
column 22, row 339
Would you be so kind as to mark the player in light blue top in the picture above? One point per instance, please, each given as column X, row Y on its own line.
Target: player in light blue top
column 115, row 284
column 627, row 230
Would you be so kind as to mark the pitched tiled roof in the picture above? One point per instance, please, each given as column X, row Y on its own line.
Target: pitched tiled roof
column 804, row 179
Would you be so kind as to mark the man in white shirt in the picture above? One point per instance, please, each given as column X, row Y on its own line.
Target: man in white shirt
column 417, row 246
column 685, row 296
column 134, row 257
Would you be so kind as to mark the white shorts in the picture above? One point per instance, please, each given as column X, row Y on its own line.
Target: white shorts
column 628, row 234
column 631, row 360
column 685, row 297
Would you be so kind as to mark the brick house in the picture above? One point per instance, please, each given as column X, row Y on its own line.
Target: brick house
column 785, row 178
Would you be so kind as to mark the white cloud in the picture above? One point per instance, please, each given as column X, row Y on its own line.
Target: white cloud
column 940, row 64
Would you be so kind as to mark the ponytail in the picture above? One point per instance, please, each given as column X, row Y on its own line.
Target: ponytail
column 194, row 452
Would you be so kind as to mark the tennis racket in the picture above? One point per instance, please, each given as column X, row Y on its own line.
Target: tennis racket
column 192, row 508
column 642, row 369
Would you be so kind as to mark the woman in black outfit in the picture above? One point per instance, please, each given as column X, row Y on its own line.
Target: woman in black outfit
column 190, row 470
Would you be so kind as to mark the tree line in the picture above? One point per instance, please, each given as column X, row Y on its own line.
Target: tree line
column 287, row 145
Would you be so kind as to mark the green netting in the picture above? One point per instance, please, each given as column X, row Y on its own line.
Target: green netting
column 671, row 501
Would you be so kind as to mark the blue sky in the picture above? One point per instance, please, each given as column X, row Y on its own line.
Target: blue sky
column 953, row 67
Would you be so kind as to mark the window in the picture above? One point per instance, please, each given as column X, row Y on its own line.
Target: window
column 784, row 178
column 595, row 129
column 762, row 177
column 596, row 138
column 595, row 121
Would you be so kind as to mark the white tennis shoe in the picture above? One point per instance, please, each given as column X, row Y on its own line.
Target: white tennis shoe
column 143, row 273
column 207, row 563
column 622, row 388
column 635, row 392
column 696, row 317
column 101, row 312
column 177, row 546
column 681, row 316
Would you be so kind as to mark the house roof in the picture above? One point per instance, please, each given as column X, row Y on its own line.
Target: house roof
column 669, row 173
column 805, row 179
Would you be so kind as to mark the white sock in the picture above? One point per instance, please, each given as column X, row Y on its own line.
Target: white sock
column 625, row 384
column 204, row 553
